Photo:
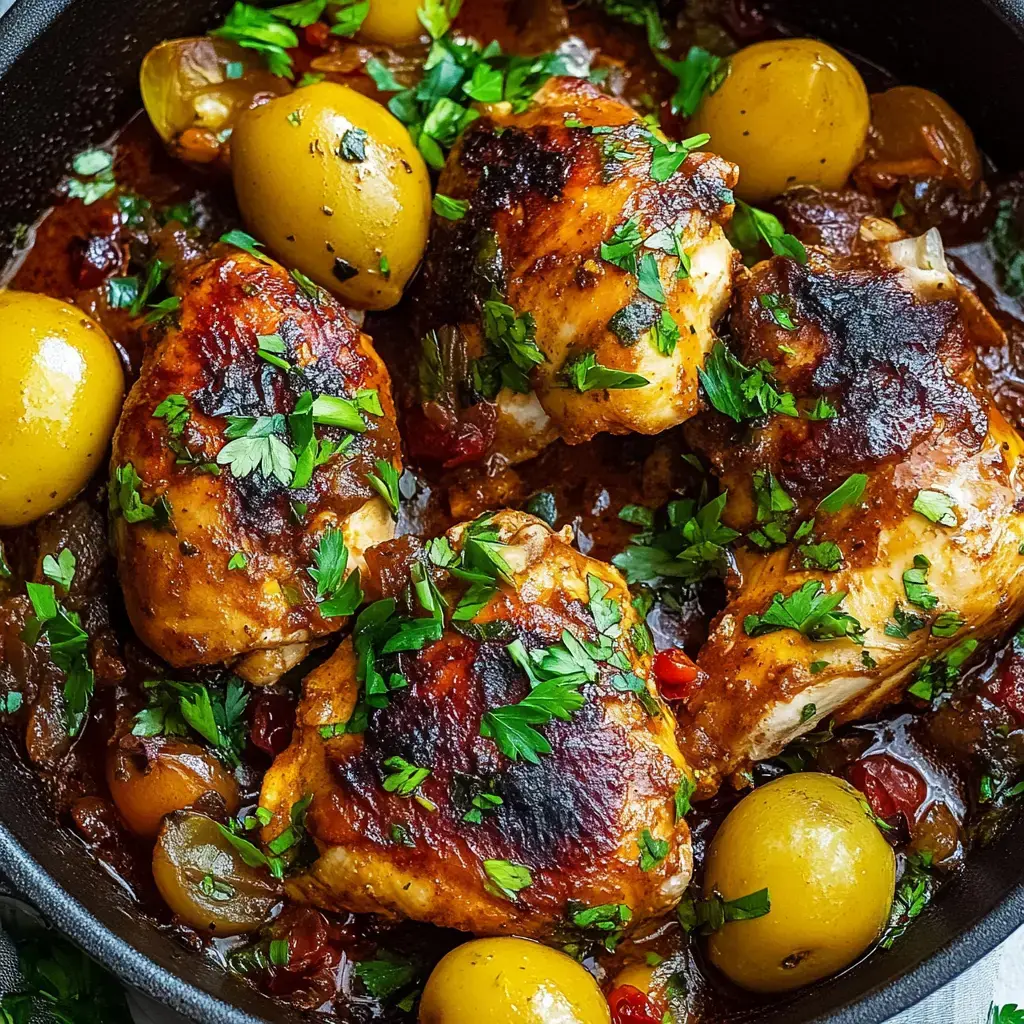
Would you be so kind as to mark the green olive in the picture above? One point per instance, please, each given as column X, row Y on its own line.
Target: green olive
column 511, row 981
column 790, row 112
column 830, row 875
column 392, row 22
column 204, row 879
column 334, row 186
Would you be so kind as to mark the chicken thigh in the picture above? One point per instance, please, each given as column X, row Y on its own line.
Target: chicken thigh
column 586, row 274
column 253, row 436
column 884, row 522
column 497, row 762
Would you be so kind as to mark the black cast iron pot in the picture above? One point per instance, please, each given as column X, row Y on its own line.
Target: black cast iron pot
column 68, row 72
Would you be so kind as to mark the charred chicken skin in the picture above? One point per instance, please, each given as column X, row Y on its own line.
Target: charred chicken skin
column 499, row 761
column 587, row 242
column 229, row 468
column 883, row 523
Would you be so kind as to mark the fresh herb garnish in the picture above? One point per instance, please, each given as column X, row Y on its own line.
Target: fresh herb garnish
column 810, row 611
column 742, row 392
column 652, row 850
column 915, row 890
column 915, row 584
column 403, row 778
column 847, row 493
column 751, row 226
column 385, row 483
column 936, row 507
column 706, row 916
column 512, row 350
column 936, row 676
column 244, row 241
column 506, row 879
column 450, row 209
column 126, row 501
column 585, row 373
column 255, row 443
column 337, row 594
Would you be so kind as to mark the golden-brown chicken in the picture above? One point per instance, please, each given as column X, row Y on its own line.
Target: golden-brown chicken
column 892, row 508
column 259, row 415
column 512, row 765
column 588, row 243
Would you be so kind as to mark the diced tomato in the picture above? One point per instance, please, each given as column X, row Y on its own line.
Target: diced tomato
column 1010, row 689
column 891, row 787
column 676, row 673
column 631, row 1006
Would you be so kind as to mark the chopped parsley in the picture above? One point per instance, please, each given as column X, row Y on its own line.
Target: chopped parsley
column 255, row 444
column 217, row 715
column 825, row 556
column 621, row 248
column 810, row 610
column 742, row 392
column 385, row 483
column 936, row 676
column 936, row 507
column 506, row 879
column 750, row 227
column 512, row 350
column 237, row 561
column 823, row 409
column 126, row 501
column 353, row 146
column 915, row 584
column 585, row 373
column 69, row 648
column 913, row 893
column 337, row 594
column 387, row 975
column 667, row 157
column 450, row 209
column 1007, row 245
column 60, row 570
column 699, row 74
column 904, row 623
column 781, row 309
column 691, row 547
column 95, row 170
column 847, row 493
column 403, row 778
column 652, row 850
column 244, row 241
column 706, row 916
column 605, row 922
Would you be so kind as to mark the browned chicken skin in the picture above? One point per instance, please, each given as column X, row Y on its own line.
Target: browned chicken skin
column 183, row 599
column 576, row 819
column 886, row 336
column 546, row 188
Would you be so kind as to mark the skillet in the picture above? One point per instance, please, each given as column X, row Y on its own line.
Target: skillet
column 67, row 79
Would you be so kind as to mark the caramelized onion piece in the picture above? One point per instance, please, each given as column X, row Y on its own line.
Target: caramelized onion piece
column 915, row 135
column 194, row 88
column 205, row 881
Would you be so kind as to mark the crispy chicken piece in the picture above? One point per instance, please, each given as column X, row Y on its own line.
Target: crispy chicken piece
column 591, row 814
column 186, row 598
column 546, row 187
column 886, row 336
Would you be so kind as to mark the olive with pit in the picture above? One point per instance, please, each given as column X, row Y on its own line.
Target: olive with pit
column 331, row 182
column 61, row 388
column 511, row 981
column 810, row 840
column 205, row 879
column 148, row 780
column 789, row 112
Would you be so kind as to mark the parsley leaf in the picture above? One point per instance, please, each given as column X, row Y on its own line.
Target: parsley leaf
column 808, row 610
column 905, row 623
column 61, row 570
column 742, row 392
column 699, row 74
column 751, row 226
column 385, row 483
column 652, row 850
column 936, row 507
column 256, row 444
column 585, row 373
column 621, row 248
column 244, row 241
column 403, row 778
column 1007, row 244
column 450, row 209
column 385, row 976
column 337, row 594
column 691, row 548
column 512, row 350
column 913, row 893
column 781, row 309
column 936, row 676
column 915, row 584
column 125, row 500
column 847, row 493
column 706, row 916
column 507, row 879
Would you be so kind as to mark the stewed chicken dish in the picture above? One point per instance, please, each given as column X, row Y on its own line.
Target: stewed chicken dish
column 513, row 510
